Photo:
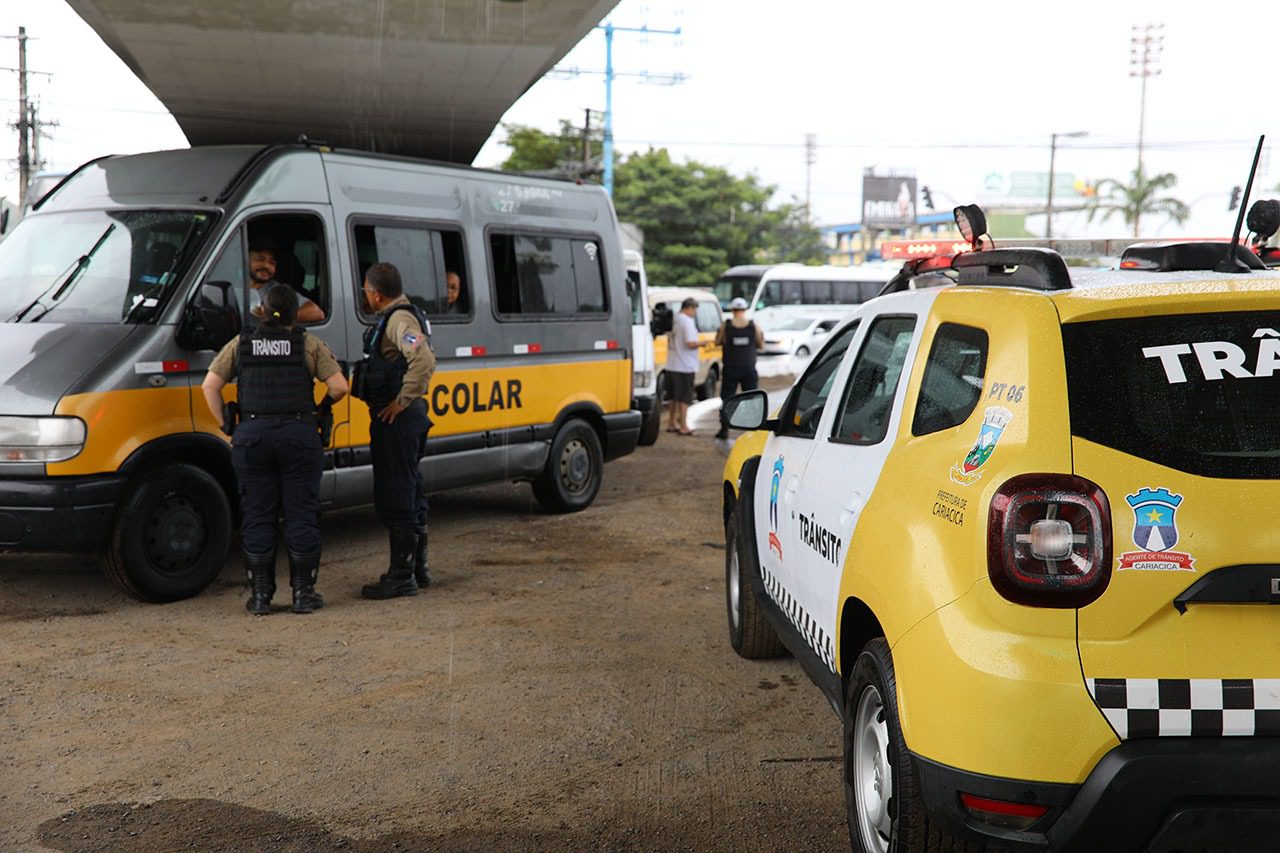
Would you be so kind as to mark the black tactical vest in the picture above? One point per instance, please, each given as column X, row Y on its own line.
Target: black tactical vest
column 739, row 345
column 377, row 380
column 273, row 377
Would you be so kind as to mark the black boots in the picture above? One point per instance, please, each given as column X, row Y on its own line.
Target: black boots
column 399, row 578
column 303, row 569
column 262, row 582
column 421, row 572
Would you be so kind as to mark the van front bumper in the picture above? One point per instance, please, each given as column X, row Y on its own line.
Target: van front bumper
column 70, row 514
column 1157, row 794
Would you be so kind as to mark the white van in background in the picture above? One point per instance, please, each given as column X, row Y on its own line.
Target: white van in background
column 797, row 284
column 645, row 390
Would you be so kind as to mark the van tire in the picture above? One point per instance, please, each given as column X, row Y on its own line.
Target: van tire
column 170, row 537
column 750, row 633
column 652, row 427
column 909, row 826
column 575, row 467
column 711, row 385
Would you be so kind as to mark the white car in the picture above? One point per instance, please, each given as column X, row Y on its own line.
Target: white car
column 795, row 333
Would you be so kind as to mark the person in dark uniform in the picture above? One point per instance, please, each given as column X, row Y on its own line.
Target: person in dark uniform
column 276, row 448
column 393, row 380
column 740, row 338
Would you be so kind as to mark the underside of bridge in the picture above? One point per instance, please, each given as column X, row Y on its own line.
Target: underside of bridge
column 429, row 78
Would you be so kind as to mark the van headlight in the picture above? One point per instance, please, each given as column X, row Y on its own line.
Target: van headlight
column 40, row 439
column 642, row 379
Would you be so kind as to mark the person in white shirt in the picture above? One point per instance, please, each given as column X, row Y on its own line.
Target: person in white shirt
column 682, row 364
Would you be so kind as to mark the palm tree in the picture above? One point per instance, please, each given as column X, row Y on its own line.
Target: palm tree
column 1133, row 200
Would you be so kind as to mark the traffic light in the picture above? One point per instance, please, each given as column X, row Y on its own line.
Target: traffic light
column 928, row 197
column 1235, row 198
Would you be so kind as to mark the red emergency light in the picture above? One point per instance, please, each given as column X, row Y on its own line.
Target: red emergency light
column 910, row 249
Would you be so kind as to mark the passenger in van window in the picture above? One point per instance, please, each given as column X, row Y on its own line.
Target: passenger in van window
column 455, row 304
column 393, row 380
column 682, row 364
column 741, row 339
column 263, row 261
column 276, row 449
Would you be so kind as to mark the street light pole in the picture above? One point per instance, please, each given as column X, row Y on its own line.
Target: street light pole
column 1053, row 152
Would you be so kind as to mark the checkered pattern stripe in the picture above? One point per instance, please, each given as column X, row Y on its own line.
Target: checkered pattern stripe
column 1189, row 707
column 817, row 639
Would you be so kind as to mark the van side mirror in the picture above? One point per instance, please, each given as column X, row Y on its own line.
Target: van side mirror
column 632, row 286
column 211, row 318
column 662, row 320
column 748, row 410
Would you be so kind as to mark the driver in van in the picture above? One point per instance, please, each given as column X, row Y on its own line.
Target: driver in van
column 263, row 256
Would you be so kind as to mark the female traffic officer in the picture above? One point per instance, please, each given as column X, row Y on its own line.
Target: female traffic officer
column 276, row 449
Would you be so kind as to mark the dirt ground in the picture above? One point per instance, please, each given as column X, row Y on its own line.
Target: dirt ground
column 567, row 685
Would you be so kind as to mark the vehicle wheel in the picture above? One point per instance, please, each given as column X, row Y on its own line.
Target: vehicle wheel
column 171, row 534
column 881, row 789
column 711, row 387
column 802, row 351
column 750, row 633
column 652, row 427
column 574, row 469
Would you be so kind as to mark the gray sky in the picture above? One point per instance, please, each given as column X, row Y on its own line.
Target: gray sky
column 950, row 94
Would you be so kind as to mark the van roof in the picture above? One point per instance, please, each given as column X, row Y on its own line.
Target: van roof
column 208, row 175
column 666, row 294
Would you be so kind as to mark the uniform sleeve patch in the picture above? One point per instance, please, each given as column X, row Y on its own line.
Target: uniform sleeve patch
column 411, row 340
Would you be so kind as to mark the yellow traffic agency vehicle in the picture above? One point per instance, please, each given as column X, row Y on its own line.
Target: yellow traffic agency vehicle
column 1020, row 530
column 123, row 282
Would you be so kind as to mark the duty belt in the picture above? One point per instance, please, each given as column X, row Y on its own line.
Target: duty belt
column 281, row 416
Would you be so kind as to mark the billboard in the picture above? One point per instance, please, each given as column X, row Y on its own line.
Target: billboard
column 888, row 202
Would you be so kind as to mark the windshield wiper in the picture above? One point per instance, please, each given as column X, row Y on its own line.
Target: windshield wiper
column 82, row 264
column 179, row 257
column 17, row 318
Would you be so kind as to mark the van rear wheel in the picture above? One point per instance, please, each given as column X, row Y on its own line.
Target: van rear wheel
column 171, row 534
column 710, row 387
column 575, row 467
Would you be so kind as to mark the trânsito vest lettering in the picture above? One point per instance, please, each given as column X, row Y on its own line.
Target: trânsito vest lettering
column 739, row 346
column 377, row 379
column 272, row 377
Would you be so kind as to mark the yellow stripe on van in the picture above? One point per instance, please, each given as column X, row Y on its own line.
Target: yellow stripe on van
column 119, row 422
column 464, row 401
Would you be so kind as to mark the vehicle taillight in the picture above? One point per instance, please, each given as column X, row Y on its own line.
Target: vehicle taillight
column 1002, row 813
column 1049, row 540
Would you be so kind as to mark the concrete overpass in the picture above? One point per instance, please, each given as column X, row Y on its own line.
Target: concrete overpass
column 424, row 77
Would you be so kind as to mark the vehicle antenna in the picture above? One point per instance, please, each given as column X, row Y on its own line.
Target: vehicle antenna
column 1232, row 262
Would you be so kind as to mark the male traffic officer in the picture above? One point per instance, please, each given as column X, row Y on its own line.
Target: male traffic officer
column 393, row 380
column 276, row 449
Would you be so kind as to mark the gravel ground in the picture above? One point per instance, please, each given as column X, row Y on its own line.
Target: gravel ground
column 566, row 685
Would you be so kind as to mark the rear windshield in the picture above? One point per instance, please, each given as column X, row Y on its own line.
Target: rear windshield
column 1195, row 392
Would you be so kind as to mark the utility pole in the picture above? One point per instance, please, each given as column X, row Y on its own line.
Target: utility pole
column 810, row 157
column 1053, row 150
column 586, row 139
column 24, row 121
column 609, row 30
column 1146, row 43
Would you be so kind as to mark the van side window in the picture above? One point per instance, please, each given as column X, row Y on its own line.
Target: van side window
column 873, row 382
column 708, row 317
column 429, row 259
column 547, row 275
column 953, row 378
column 288, row 248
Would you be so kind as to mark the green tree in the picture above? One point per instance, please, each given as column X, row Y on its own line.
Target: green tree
column 560, row 153
column 698, row 219
column 1133, row 200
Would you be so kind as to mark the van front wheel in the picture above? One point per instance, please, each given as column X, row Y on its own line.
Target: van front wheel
column 171, row 534
column 575, row 466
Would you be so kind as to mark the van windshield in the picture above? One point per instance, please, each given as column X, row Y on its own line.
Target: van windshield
column 731, row 287
column 98, row 266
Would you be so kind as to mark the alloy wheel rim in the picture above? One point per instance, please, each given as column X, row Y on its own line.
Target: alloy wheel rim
column 872, row 773
column 735, row 591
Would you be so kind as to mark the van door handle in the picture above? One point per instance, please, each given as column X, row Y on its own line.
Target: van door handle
column 849, row 510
